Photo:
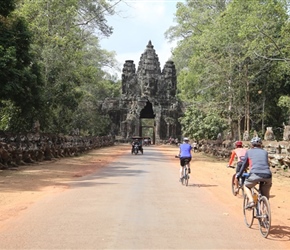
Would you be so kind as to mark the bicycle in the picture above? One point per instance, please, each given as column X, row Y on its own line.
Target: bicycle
column 260, row 211
column 240, row 182
column 185, row 172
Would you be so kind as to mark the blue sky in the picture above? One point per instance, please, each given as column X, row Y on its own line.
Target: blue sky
column 136, row 23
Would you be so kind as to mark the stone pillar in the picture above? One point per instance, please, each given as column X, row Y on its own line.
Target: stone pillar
column 123, row 129
column 137, row 127
column 168, row 130
column 157, row 127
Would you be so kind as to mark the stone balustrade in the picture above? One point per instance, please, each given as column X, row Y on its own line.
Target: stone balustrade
column 279, row 151
column 23, row 149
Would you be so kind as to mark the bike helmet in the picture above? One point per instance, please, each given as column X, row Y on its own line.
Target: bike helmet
column 256, row 141
column 185, row 139
column 239, row 144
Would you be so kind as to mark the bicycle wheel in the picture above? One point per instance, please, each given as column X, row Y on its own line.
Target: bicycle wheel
column 186, row 177
column 182, row 179
column 233, row 184
column 248, row 212
column 243, row 192
column 264, row 216
column 241, row 185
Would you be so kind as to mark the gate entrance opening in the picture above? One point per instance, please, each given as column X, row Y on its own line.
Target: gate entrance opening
column 147, row 111
column 148, row 131
column 147, row 122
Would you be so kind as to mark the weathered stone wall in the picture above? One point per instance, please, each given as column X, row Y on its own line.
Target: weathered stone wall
column 22, row 149
column 278, row 151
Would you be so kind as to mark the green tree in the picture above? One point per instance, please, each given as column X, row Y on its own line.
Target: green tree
column 66, row 45
column 21, row 82
column 233, row 59
column 7, row 7
column 198, row 124
column 284, row 103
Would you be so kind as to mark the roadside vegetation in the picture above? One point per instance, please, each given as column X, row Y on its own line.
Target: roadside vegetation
column 51, row 66
column 232, row 59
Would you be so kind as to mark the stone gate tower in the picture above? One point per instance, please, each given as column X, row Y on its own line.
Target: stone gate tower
column 148, row 93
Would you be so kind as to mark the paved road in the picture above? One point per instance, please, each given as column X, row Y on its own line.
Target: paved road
column 135, row 202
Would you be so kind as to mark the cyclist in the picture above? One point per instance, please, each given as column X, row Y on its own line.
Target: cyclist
column 184, row 153
column 257, row 159
column 239, row 153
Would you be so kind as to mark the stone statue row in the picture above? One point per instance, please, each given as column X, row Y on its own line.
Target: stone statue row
column 278, row 151
column 269, row 134
column 23, row 149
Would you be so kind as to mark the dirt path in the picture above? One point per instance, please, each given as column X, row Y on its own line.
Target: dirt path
column 20, row 189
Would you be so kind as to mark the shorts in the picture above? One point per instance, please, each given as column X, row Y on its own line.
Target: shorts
column 238, row 167
column 265, row 183
column 183, row 160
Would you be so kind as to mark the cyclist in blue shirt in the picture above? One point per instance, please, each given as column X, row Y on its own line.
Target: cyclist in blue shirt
column 184, row 153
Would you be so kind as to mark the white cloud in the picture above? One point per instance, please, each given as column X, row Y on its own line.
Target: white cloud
column 148, row 12
column 140, row 21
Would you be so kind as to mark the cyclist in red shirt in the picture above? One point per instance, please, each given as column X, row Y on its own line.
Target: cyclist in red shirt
column 239, row 153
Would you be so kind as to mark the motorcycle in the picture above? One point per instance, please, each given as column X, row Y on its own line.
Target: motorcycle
column 135, row 149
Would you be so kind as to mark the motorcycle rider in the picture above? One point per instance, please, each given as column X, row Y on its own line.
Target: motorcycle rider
column 146, row 141
column 139, row 143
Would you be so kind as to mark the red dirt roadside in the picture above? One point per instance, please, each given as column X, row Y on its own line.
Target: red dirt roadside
column 19, row 189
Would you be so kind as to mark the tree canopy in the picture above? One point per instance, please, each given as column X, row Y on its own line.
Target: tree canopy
column 51, row 65
column 233, row 60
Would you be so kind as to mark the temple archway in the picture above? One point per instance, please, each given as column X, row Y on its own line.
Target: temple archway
column 147, row 93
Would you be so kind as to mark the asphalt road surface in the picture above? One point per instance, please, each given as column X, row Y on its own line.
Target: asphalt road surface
column 136, row 202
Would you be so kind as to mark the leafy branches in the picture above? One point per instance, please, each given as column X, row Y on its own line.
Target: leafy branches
column 228, row 53
column 62, row 38
column 202, row 125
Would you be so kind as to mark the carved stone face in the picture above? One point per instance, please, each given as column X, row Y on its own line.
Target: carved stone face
column 148, row 87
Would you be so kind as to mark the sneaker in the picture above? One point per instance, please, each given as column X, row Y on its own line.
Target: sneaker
column 236, row 191
column 250, row 205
